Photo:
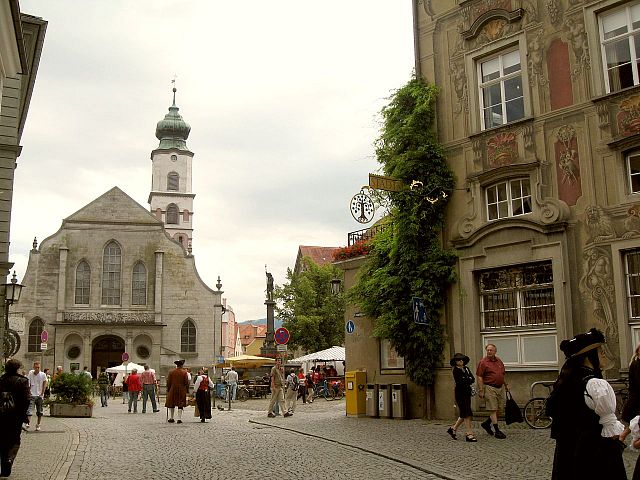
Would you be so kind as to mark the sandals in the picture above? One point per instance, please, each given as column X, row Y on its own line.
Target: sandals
column 470, row 437
column 452, row 432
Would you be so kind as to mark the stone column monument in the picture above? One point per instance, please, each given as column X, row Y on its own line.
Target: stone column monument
column 269, row 347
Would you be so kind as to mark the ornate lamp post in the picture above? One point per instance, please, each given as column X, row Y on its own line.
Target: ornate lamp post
column 10, row 338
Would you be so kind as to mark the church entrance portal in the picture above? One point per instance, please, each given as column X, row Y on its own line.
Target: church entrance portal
column 107, row 352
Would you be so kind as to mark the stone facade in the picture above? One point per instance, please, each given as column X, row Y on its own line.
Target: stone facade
column 159, row 310
column 538, row 113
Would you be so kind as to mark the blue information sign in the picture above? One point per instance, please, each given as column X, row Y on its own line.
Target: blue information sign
column 419, row 314
column 350, row 327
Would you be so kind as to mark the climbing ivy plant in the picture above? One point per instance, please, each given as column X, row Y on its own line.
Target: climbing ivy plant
column 407, row 258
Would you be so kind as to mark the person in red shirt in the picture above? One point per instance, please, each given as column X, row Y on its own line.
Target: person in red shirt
column 491, row 386
column 135, row 387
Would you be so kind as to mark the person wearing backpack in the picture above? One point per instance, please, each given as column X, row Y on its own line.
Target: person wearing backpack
column 14, row 403
column 291, row 394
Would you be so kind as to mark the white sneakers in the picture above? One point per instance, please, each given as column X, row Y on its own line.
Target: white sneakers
column 37, row 428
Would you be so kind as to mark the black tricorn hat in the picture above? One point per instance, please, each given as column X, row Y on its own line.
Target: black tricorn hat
column 582, row 343
column 179, row 363
column 458, row 356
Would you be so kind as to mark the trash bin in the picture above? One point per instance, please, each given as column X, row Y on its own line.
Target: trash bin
column 398, row 400
column 355, row 391
column 384, row 401
column 372, row 400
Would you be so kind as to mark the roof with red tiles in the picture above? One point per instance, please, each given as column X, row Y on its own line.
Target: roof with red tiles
column 319, row 255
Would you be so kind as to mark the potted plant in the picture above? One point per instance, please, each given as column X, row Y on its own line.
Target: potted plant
column 72, row 396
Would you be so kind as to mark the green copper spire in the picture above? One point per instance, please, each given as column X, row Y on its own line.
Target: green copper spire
column 173, row 131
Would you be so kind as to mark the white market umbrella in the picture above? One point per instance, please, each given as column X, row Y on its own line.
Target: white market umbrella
column 128, row 368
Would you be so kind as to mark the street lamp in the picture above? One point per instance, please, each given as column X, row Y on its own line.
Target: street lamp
column 335, row 286
column 10, row 340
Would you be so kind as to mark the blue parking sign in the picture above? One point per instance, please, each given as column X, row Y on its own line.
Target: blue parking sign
column 419, row 313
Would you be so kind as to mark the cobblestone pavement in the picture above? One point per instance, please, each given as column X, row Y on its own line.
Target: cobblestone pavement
column 318, row 442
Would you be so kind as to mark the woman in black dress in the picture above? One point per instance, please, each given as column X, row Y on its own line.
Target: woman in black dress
column 464, row 379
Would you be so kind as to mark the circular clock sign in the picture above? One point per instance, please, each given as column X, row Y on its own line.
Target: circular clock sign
column 362, row 207
column 281, row 336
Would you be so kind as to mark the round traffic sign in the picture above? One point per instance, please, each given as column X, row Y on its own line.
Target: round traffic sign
column 44, row 336
column 281, row 336
column 125, row 357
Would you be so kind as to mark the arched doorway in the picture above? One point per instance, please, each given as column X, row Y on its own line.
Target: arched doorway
column 107, row 352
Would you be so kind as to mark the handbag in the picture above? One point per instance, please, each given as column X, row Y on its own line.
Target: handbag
column 512, row 412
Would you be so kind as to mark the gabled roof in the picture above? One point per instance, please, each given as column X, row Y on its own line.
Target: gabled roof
column 114, row 206
column 248, row 333
column 319, row 255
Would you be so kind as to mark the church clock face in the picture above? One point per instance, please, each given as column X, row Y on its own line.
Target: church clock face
column 362, row 208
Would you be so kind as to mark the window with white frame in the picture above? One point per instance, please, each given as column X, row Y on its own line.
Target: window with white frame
column 620, row 42
column 632, row 276
column 500, row 89
column 633, row 172
column 508, row 199
column 519, row 296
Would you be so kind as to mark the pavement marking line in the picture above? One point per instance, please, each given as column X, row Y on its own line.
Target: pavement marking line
column 62, row 472
column 362, row 449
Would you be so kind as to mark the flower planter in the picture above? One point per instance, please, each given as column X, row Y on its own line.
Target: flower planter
column 69, row 410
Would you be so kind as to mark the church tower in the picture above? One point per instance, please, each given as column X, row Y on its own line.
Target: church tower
column 171, row 199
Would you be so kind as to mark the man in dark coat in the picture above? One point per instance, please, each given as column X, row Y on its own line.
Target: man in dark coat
column 177, row 390
column 14, row 388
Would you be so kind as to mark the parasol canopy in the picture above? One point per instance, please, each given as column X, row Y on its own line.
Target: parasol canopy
column 247, row 361
column 128, row 368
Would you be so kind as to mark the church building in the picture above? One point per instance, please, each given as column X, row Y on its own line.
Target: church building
column 119, row 278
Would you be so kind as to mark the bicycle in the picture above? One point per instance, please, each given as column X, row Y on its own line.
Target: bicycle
column 535, row 410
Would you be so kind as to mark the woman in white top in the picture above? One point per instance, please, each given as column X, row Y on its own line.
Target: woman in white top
column 582, row 405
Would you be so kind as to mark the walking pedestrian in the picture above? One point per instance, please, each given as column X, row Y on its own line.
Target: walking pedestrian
column 135, row 387
column 14, row 387
column 177, row 390
column 203, row 388
column 310, row 386
column 277, row 382
column 491, row 387
column 232, row 382
column 291, row 394
column 149, row 385
column 103, row 385
column 37, row 386
column 85, row 371
column 47, row 392
column 634, row 429
column 582, row 406
column 464, row 379
column 302, row 385
column 125, row 390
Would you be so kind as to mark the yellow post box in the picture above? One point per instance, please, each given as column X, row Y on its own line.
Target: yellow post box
column 355, row 385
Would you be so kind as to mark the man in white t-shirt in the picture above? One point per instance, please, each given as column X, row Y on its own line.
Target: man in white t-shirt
column 37, row 385
column 232, row 381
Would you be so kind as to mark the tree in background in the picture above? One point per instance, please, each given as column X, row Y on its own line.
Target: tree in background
column 407, row 258
column 312, row 314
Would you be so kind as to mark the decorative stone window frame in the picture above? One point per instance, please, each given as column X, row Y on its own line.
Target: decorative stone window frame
column 627, row 172
column 473, row 59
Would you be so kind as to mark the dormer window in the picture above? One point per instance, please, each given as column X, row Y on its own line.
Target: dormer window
column 508, row 199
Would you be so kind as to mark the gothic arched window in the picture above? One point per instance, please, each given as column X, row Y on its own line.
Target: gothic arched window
column 111, row 270
column 173, row 181
column 188, row 336
column 172, row 214
column 35, row 330
column 139, row 285
column 83, row 283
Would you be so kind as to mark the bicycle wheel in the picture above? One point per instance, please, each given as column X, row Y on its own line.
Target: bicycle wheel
column 242, row 394
column 535, row 415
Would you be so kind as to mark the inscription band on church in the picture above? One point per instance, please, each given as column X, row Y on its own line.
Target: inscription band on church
column 108, row 317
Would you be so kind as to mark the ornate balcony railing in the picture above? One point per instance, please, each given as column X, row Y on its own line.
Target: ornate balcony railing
column 365, row 234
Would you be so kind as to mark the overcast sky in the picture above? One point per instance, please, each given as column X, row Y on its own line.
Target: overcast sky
column 282, row 97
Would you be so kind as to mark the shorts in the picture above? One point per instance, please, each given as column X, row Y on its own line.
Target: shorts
column 37, row 401
column 494, row 398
